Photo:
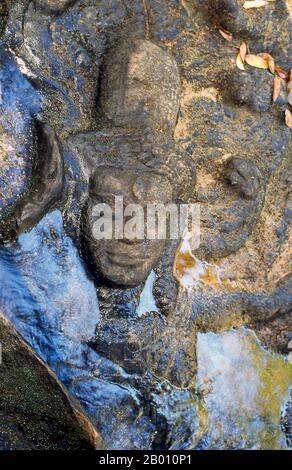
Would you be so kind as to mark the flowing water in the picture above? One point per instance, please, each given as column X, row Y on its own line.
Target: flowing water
column 46, row 294
column 48, row 297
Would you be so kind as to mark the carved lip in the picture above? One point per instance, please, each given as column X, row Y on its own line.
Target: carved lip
column 123, row 259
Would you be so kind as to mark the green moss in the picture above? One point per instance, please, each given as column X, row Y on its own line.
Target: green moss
column 33, row 402
column 275, row 378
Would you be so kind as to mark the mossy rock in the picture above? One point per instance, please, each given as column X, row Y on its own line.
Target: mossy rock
column 35, row 411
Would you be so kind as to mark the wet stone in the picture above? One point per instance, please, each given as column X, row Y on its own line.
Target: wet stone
column 19, row 105
column 35, row 412
column 153, row 367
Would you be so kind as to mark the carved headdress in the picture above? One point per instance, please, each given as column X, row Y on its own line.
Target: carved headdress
column 138, row 105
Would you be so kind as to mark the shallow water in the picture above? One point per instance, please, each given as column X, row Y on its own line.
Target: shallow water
column 19, row 102
column 49, row 298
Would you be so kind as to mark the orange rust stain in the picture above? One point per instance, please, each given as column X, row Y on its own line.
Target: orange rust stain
column 192, row 273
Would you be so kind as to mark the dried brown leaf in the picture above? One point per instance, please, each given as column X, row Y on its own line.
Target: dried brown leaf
column 281, row 73
column 277, row 87
column 288, row 118
column 271, row 63
column 256, row 61
column 243, row 51
column 270, row 60
column 239, row 62
column 254, row 4
column 226, row 35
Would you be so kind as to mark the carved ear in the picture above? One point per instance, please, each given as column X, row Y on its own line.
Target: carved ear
column 48, row 164
column 46, row 188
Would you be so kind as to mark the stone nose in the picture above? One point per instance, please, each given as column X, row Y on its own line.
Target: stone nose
column 130, row 232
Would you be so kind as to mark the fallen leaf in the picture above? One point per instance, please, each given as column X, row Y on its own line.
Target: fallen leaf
column 239, row 62
column 256, row 61
column 271, row 63
column 270, row 60
column 277, row 87
column 243, row 51
column 281, row 73
column 255, row 4
column 288, row 118
column 290, row 98
column 226, row 35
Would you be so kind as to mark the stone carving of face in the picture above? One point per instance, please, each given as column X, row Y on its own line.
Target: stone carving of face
column 125, row 261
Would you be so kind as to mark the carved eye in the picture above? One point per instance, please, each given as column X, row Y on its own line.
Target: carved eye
column 108, row 182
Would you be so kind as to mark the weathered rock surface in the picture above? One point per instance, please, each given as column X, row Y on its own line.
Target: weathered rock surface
column 118, row 368
column 19, row 104
column 135, row 374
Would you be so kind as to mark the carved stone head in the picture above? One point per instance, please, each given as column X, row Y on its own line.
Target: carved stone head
column 135, row 157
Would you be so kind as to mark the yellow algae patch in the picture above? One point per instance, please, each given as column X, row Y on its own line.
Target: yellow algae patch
column 244, row 389
column 275, row 379
column 192, row 273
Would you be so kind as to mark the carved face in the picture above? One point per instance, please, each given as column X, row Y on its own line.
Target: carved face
column 124, row 262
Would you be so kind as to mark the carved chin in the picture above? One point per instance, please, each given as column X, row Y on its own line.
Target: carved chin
column 130, row 276
column 122, row 269
column 119, row 270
